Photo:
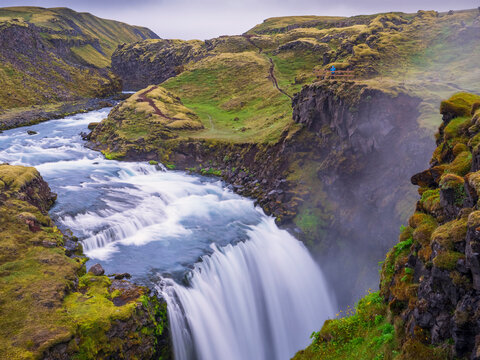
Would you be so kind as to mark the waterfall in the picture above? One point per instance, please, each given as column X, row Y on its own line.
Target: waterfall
column 256, row 294
column 258, row 299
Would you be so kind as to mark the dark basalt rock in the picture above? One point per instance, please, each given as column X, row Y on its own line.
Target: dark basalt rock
column 122, row 276
column 444, row 298
column 96, row 270
column 137, row 71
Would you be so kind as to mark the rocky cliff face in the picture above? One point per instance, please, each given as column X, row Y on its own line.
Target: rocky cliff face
column 35, row 72
column 370, row 143
column 431, row 278
column 52, row 308
column 153, row 62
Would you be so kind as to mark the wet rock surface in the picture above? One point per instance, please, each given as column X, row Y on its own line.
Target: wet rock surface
column 432, row 277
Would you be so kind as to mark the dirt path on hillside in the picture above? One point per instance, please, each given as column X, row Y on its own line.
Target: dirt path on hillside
column 211, row 122
column 274, row 79
column 272, row 66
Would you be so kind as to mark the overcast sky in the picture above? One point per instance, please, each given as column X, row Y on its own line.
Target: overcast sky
column 204, row 19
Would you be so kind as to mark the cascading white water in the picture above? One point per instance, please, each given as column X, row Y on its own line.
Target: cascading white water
column 259, row 299
column 257, row 293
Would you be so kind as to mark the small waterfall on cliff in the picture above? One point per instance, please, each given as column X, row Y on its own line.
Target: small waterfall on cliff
column 259, row 299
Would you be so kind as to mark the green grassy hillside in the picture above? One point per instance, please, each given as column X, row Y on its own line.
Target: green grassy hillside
column 427, row 54
column 284, row 23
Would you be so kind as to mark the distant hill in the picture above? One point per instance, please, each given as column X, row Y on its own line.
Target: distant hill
column 89, row 39
column 53, row 55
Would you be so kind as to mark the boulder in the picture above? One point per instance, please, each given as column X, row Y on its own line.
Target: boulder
column 97, row 270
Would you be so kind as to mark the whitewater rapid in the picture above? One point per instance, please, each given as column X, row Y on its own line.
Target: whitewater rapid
column 237, row 286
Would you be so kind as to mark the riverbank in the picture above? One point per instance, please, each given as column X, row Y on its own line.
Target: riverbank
column 24, row 116
column 51, row 307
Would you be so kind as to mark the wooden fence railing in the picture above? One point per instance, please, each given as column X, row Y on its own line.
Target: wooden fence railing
column 337, row 74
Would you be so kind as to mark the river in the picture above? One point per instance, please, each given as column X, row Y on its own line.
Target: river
column 237, row 286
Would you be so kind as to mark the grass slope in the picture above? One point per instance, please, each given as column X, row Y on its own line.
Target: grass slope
column 234, row 97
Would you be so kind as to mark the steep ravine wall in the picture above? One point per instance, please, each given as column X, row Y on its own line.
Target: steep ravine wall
column 431, row 280
column 371, row 143
column 339, row 181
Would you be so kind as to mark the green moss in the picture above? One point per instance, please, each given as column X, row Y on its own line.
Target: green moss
column 455, row 129
column 310, row 221
column 153, row 162
column 431, row 200
column 455, row 183
column 447, row 260
column 459, row 105
column 416, row 350
column 450, row 233
column 461, row 164
column 211, row 171
column 12, row 178
column 113, row 155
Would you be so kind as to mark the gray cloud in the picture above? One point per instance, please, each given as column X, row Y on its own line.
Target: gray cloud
column 202, row 19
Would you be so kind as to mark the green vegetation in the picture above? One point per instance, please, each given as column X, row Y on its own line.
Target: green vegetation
column 459, row 105
column 363, row 334
column 13, row 178
column 113, row 155
column 281, row 24
column 233, row 97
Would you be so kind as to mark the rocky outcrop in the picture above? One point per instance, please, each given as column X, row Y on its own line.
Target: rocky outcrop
column 431, row 279
column 77, row 315
column 154, row 61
